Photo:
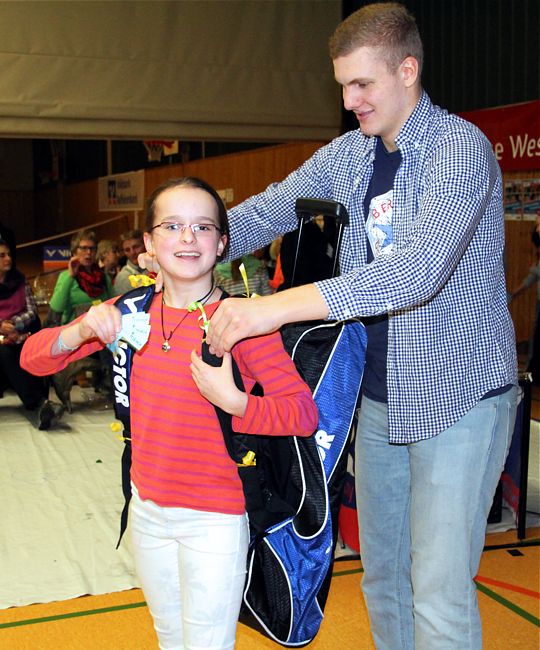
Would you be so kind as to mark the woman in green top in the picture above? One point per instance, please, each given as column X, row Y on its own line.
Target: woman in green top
column 84, row 283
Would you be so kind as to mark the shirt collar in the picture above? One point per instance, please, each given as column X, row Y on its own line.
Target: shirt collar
column 418, row 121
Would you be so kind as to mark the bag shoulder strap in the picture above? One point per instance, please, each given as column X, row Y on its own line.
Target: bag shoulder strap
column 137, row 300
column 237, row 444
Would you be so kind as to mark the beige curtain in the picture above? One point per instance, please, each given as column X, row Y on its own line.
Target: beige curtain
column 224, row 70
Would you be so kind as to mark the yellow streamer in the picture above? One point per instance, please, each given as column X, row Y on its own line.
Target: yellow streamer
column 203, row 317
column 243, row 273
column 249, row 460
column 141, row 281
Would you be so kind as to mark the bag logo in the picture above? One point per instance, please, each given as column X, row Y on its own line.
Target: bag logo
column 324, row 442
column 120, row 375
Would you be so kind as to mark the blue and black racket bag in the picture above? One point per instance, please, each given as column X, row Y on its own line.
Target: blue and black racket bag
column 290, row 562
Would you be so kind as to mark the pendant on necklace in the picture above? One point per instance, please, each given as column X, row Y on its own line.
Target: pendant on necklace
column 165, row 346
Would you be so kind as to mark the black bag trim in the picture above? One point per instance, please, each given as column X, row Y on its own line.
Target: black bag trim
column 120, row 364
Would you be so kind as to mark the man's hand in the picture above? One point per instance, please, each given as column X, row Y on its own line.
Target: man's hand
column 217, row 384
column 239, row 318
column 148, row 261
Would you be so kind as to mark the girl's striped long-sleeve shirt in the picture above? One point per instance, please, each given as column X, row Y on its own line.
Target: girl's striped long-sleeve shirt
column 179, row 455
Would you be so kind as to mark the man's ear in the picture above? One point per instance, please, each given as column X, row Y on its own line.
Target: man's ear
column 409, row 70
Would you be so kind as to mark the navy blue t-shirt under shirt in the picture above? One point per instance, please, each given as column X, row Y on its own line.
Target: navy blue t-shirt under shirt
column 379, row 229
column 377, row 202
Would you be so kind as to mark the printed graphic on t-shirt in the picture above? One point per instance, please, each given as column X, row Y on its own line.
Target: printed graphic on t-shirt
column 379, row 224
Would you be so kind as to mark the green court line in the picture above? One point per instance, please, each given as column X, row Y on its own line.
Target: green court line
column 508, row 604
column 105, row 610
column 347, row 573
column 59, row 617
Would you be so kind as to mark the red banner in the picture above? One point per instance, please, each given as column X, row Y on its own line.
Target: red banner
column 514, row 132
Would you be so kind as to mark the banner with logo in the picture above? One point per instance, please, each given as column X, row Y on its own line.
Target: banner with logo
column 514, row 133
column 121, row 192
column 56, row 257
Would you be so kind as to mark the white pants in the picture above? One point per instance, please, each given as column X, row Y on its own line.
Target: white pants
column 192, row 568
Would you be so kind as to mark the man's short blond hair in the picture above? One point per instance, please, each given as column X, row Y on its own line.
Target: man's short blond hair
column 387, row 26
column 131, row 234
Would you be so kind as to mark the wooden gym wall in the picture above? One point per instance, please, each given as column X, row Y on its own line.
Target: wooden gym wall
column 75, row 206
column 247, row 173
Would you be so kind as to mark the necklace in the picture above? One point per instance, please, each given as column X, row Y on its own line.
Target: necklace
column 165, row 346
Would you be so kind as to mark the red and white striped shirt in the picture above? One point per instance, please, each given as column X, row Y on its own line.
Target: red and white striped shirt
column 179, row 455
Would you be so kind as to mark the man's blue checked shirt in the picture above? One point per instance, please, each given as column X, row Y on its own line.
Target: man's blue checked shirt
column 451, row 338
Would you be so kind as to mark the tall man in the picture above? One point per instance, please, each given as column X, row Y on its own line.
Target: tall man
column 423, row 255
column 422, row 262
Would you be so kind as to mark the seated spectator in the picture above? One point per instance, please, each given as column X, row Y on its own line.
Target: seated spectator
column 19, row 318
column 532, row 278
column 83, row 284
column 108, row 257
column 132, row 244
column 314, row 260
column 227, row 276
column 8, row 237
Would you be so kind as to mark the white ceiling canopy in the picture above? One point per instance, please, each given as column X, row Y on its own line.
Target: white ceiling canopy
column 224, row 70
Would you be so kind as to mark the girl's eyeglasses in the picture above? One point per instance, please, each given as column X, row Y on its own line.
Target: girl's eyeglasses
column 170, row 228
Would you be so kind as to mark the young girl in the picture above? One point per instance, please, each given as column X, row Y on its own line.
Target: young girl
column 189, row 528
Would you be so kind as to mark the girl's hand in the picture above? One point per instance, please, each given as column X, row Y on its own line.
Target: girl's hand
column 217, row 384
column 103, row 321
